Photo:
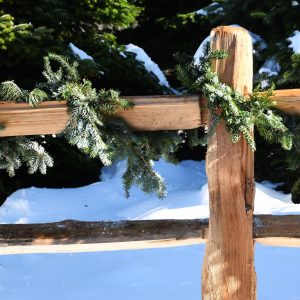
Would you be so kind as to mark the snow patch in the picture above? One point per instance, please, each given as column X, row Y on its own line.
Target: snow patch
column 187, row 198
column 270, row 67
column 150, row 65
column 264, row 83
column 213, row 8
column 295, row 41
column 82, row 55
column 200, row 51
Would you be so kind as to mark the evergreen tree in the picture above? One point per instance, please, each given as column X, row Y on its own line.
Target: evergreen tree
column 91, row 26
column 167, row 27
column 28, row 31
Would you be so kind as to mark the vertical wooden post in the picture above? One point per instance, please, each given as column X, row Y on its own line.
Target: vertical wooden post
column 228, row 268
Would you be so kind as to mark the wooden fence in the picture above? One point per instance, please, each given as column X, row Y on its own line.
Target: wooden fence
column 228, row 267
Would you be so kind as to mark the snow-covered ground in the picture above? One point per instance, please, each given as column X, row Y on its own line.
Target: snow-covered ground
column 168, row 273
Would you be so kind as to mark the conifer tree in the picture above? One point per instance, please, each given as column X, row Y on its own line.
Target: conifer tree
column 28, row 31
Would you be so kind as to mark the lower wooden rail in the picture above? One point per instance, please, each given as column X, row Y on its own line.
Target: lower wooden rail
column 78, row 236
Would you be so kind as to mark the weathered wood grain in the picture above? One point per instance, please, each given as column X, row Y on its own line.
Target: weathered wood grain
column 288, row 100
column 228, row 267
column 269, row 226
column 149, row 114
column 78, row 236
column 78, row 232
column 282, row 231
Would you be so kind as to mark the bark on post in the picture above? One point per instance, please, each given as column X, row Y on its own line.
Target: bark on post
column 228, row 268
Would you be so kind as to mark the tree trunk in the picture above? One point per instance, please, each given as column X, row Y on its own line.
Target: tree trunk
column 228, row 268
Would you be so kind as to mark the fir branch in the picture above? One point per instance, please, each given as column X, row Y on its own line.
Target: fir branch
column 16, row 151
column 9, row 91
column 239, row 114
column 95, row 130
column 35, row 97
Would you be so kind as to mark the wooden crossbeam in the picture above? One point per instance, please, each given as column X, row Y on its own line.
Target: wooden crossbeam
column 149, row 114
column 281, row 231
column 288, row 100
column 78, row 236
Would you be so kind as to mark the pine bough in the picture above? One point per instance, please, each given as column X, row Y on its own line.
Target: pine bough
column 94, row 128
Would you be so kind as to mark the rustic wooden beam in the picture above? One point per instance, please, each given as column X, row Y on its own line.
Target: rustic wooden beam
column 283, row 231
column 269, row 226
column 288, row 100
column 75, row 236
column 78, row 236
column 149, row 114
column 78, row 232
column 228, row 266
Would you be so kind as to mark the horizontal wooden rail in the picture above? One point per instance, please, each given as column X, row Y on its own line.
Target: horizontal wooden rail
column 149, row 114
column 77, row 236
column 281, row 231
column 288, row 100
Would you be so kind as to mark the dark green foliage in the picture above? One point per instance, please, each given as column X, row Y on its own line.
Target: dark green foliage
column 91, row 26
column 112, row 70
column 9, row 32
column 238, row 113
column 167, row 27
column 50, row 25
column 291, row 77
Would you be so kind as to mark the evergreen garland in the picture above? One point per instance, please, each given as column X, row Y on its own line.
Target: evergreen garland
column 93, row 127
column 239, row 113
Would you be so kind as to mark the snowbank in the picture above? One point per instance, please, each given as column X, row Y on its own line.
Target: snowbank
column 167, row 273
column 187, row 198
